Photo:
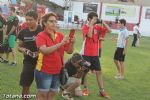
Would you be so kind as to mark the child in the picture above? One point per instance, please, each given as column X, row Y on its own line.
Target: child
column 90, row 51
column 120, row 52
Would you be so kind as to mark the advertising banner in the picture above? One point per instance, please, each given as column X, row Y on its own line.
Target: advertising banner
column 147, row 14
column 89, row 7
column 120, row 10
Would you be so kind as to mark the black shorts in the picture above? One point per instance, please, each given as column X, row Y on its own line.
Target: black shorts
column 27, row 74
column 95, row 62
column 119, row 54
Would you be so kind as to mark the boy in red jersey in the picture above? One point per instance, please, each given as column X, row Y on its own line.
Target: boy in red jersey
column 90, row 51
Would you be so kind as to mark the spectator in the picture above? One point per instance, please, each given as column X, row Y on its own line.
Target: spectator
column 51, row 45
column 120, row 52
column 2, row 23
column 27, row 47
column 138, row 38
column 135, row 34
column 75, row 66
column 10, row 35
column 90, row 51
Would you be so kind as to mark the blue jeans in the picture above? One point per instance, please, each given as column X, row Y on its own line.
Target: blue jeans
column 47, row 82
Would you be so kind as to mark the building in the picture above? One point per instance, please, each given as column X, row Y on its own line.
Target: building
column 134, row 12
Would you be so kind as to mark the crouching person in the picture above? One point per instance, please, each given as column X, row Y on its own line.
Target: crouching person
column 75, row 66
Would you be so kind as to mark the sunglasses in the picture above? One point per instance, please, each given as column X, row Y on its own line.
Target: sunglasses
column 52, row 21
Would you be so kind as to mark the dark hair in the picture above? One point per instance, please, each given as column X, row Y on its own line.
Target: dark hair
column 12, row 9
column 76, row 57
column 137, row 24
column 122, row 21
column 32, row 13
column 91, row 15
column 76, row 18
column 46, row 17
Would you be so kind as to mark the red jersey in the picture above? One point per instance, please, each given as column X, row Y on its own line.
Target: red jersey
column 90, row 46
column 50, row 63
column 102, row 35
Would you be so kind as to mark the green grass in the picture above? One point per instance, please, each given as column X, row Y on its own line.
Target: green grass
column 135, row 86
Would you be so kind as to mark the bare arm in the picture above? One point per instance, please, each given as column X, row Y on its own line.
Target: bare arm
column 12, row 30
column 101, row 39
column 79, row 74
column 5, row 30
column 21, row 48
column 46, row 50
column 90, row 33
column 108, row 28
column 125, row 49
column 91, row 26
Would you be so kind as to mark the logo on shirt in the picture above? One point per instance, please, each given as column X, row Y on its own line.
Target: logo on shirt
column 28, row 39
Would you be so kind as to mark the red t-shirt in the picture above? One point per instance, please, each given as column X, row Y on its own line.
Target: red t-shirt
column 50, row 63
column 102, row 35
column 90, row 46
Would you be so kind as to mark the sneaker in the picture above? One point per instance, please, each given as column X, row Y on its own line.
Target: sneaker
column 67, row 96
column 5, row 61
column 104, row 94
column 85, row 92
column 1, row 59
column 13, row 64
column 119, row 77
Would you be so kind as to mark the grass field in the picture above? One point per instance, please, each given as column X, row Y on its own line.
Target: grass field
column 135, row 86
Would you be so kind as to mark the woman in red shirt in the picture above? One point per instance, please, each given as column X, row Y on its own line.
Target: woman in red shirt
column 51, row 45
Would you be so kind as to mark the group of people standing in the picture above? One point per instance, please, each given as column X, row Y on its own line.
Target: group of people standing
column 8, row 37
column 43, row 48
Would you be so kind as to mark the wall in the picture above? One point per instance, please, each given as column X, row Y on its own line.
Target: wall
column 145, row 23
column 132, row 13
column 77, row 8
column 2, row 2
column 128, row 12
column 58, row 2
